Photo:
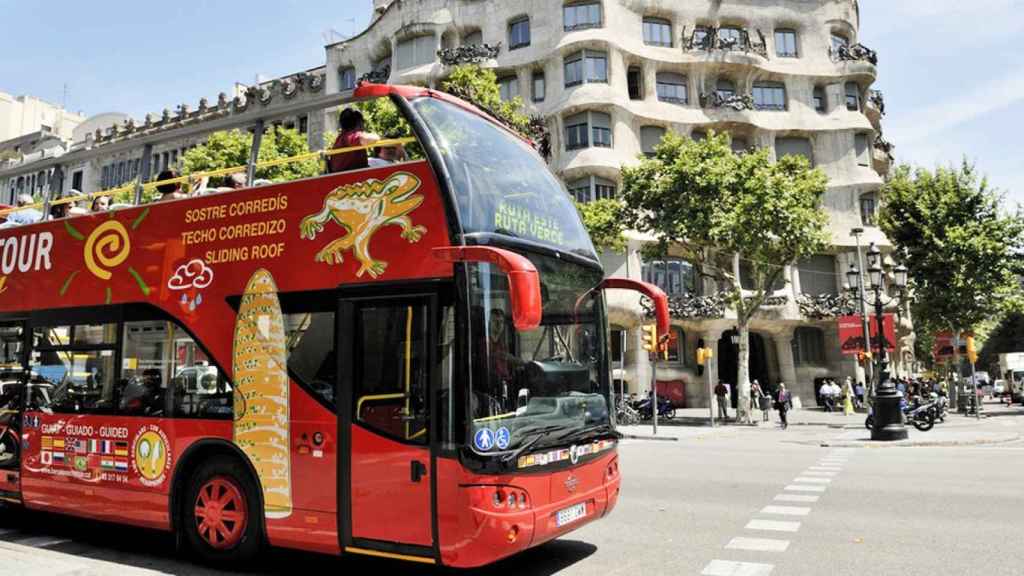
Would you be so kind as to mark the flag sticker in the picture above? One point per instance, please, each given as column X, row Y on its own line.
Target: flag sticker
column 106, row 447
column 107, row 464
column 58, row 457
column 94, row 446
column 121, row 449
column 47, row 442
column 121, row 465
column 58, row 443
column 46, row 457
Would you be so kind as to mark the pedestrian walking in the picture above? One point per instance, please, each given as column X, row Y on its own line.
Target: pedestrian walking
column 764, row 401
column 755, row 398
column 782, row 405
column 721, row 393
column 848, row 396
column 859, row 394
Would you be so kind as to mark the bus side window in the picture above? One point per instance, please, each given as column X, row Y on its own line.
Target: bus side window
column 73, row 367
column 312, row 357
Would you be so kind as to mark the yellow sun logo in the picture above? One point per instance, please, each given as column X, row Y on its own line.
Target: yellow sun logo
column 106, row 248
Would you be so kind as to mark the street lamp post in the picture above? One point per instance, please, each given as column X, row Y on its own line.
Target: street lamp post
column 858, row 281
column 888, row 416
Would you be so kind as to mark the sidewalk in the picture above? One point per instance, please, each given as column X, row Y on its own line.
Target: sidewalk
column 30, row 561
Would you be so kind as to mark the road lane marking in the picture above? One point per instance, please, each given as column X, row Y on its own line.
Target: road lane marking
column 773, row 525
column 819, row 472
column 804, row 488
column 41, row 541
column 796, row 498
column 837, row 461
column 808, row 480
column 825, row 468
column 757, row 544
column 728, row 568
column 786, row 510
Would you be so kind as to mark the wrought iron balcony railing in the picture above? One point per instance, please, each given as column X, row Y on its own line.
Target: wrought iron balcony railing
column 469, row 54
column 825, row 306
column 857, row 52
column 711, row 38
column 876, row 98
column 737, row 102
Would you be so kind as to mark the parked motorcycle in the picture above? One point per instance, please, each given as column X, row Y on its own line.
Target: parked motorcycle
column 626, row 414
column 921, row 416
column 665, row 409
column 940, row 404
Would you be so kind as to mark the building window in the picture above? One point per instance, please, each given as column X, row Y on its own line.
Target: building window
column 676, row 277
column 576, row 132
column 591, row 188
column 769, row 96
column 820, row 101
column 346, row 78
column 586, row 66
column 818, row 275
column 519, row 33
column 809, row 345
column 738, row 144
column 725, row 88
column 862, row 148
column 657, row 32
column 601, row 127
column 700, row 33
column 794, row 147
column 730, row 35
column 416, row 51
column 672, row 88
column 785, row 44
column 852, row 97
column 650, row 137
column 868, row 209
column 473, row 39
column 582, row 16
column 635, row 83
column 616, row 344
column 698, row 135
column 304, row 124
column 747, row 280
column 839, row 41
column 676, row 345
column 538, row 87
column 508, row 88
column 76, row 180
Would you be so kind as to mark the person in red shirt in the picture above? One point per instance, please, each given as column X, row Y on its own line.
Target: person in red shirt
column 353, row 133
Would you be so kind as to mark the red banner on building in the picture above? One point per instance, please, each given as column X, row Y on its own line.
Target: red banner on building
column 851, row 334
column 943, row 347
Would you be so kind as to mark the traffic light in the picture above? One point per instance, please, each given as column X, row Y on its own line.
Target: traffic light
column 703, row 355
column 649, row 334
column 972, row 353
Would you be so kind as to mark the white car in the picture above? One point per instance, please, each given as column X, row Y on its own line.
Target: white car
column 999, row 387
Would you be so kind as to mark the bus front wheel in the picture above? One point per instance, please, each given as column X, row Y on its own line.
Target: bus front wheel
column 221, row 517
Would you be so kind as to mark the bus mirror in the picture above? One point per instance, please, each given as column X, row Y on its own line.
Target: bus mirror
column 523, row 280
column 651, row 291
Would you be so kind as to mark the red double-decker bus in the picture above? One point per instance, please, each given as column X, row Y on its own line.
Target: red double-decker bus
column 407, row 361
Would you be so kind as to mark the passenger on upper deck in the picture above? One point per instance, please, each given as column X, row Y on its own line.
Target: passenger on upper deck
column 169, row 191
column 352, row 134
column 25, row 215
column 65, row 209
column 387, row 155
column 100, row 204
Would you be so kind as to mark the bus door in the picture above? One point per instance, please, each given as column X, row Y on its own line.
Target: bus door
column 13, row 382
column 385, row 348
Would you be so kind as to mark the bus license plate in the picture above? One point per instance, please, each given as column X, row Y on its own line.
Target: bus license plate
column 571, row 514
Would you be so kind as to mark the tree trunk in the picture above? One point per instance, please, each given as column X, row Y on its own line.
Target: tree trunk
column 954, row 389
column 743, row 374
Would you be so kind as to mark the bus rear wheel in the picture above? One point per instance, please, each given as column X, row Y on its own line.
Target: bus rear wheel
column 221, row 519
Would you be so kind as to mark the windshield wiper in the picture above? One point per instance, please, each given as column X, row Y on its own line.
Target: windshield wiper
column 536, row 434
column 577, row 433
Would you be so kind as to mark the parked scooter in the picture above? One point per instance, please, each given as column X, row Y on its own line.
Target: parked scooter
column 921, row 416
column 940, row 404
column 665, row 409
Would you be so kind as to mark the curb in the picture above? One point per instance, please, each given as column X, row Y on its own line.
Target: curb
column 659, row 438
column 911, row 443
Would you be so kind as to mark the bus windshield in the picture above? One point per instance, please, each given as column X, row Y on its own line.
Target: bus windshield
column 536, row 388
column 502, row 186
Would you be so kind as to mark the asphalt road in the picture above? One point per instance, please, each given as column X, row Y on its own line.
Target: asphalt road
column 735, row 501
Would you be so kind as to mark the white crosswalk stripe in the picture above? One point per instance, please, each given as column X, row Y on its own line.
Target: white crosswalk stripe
column 806, row 498
column 786, row 510
column 820, row 472
column 773, row 525
column 809, row 480
column 757, row 544
column 804, row 488
column 728, row 568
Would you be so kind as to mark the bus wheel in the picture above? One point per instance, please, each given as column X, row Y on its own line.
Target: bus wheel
column 221, row 517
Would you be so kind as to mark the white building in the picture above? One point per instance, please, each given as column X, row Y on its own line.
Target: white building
column 21, row 115
column 611, row 76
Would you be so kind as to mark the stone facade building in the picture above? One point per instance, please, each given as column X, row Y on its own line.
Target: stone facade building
column 611, row 76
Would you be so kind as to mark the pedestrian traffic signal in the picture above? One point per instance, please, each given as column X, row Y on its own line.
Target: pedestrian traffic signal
column 703, row 355
column 649, row 334
column 972, row 353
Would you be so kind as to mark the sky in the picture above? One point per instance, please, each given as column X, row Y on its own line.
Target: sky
column 952, row 71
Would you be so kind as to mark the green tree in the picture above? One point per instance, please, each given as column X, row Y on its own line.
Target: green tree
column 231, row 148
column 713, row 207
column 1007, row 336
column 603, row 220
column 961, row 249
column 479, row 86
